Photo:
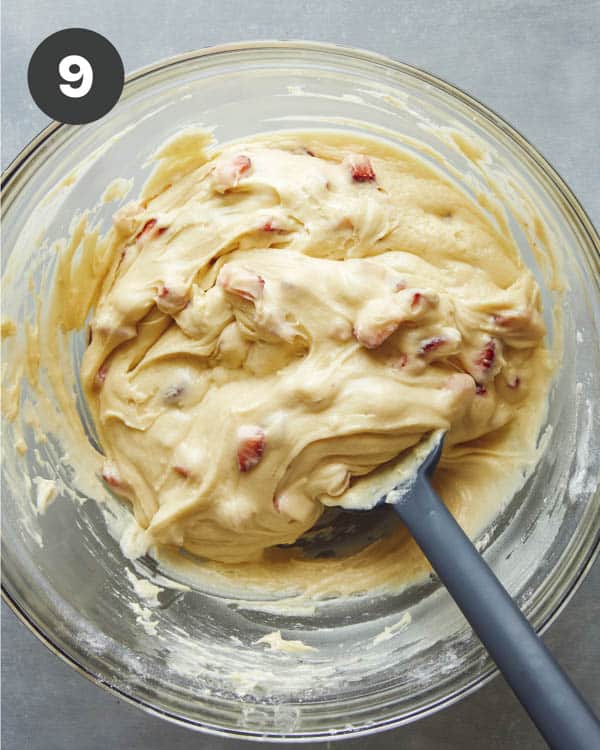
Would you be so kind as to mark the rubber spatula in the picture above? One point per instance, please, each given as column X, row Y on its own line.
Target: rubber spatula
column 559, row 712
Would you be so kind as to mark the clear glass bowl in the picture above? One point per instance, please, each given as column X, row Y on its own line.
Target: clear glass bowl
column 63, row 571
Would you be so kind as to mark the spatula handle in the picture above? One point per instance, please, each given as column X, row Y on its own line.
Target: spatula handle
column 560, row 713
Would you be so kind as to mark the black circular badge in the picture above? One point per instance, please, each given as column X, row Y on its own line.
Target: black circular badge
column 75, row 76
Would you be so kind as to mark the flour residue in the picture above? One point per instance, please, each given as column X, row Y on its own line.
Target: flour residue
column 144, row 618
column 584, row 478
column 276, row 642
column 46, row 492
column 146, row 591
column 391, row 630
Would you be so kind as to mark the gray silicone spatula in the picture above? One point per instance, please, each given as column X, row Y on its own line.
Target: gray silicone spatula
column 559, row 712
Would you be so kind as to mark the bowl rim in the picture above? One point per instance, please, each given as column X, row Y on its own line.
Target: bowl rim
column 366, row 56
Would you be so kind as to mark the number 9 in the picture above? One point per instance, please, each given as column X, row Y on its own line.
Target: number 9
column 83, row 73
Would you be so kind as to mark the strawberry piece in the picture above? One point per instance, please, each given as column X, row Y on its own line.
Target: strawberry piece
column 516, row 319
column 430, row 345
column 372, row 338
column 271, row 225
column 487, row 356
column 251, row 446
column 110, row 474
column 242, row 164
column 241, row 283
column 101, row 376
column 268, row 226
column 362, row 170
column 146, row 228
column 522, row 324
column 480, row 389
column 228, row 171
column 423, row 301
column 182, row 471
column 171, row 301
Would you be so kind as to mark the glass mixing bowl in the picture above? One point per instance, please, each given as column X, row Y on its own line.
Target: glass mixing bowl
column 193, row 659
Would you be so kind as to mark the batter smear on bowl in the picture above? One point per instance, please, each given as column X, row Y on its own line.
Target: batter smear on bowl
column 290, row 314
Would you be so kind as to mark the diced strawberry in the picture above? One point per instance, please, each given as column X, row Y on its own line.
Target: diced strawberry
column 110, row 474
column 523, row 323
column 101, row 376
column 270, row 226
column 513, row 319
column 384, row 314
column 400, row 361
column 430, row 345
column 480, row 389
column 241, row 283
column 422, row 301
column 242, row 163
column 171, row 301
column 251, row 446
column 371, row 338
column 361, row 169
column 485, row 359
column 182, row 471
column 146, row 228
column 228, row 171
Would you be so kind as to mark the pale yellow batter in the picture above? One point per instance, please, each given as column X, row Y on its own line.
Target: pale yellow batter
column 284, row 316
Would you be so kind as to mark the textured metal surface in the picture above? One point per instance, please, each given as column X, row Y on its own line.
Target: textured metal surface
column 536, row 64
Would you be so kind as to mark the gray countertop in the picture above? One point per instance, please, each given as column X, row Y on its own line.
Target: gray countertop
column 535, row 63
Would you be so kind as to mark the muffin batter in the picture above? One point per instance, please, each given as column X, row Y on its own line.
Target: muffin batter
column 284, row 316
